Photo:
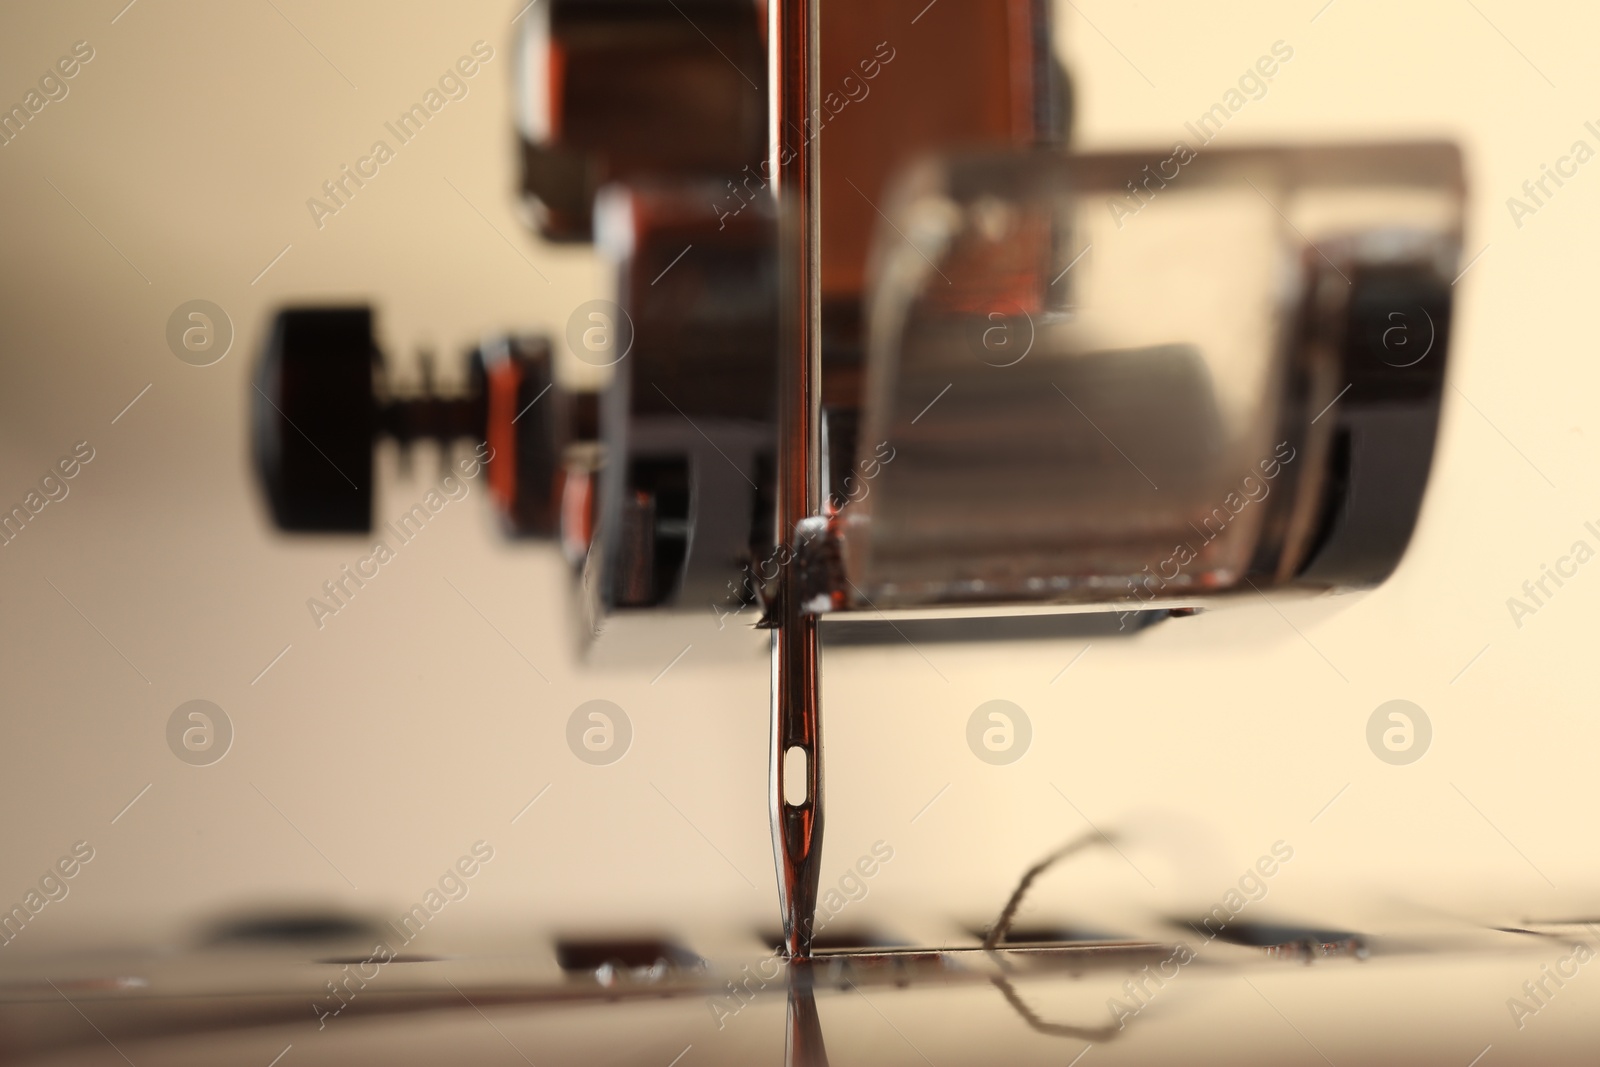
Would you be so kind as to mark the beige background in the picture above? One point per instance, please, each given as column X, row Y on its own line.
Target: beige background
column 408, row 729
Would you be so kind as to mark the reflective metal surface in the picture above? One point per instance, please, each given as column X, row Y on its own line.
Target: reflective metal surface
column 794, row 43
column 1445, row 996
column 1235, row 381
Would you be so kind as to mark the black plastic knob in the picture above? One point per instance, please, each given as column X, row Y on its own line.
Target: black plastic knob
column 313, row 417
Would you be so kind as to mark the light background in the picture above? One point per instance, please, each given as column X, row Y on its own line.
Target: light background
column 408, row 728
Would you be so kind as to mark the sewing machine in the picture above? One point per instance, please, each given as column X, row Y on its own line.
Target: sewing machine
column 881, row 350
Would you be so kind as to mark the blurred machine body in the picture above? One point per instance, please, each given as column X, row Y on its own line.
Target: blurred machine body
column 881, row 344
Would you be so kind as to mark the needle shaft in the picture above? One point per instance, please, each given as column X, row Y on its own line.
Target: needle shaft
column 796, row 724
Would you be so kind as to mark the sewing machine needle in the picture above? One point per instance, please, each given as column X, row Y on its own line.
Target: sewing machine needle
column 796, row 767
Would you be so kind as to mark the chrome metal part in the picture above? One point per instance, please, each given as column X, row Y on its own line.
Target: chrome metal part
column 793, row 41
column 1096, row 399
